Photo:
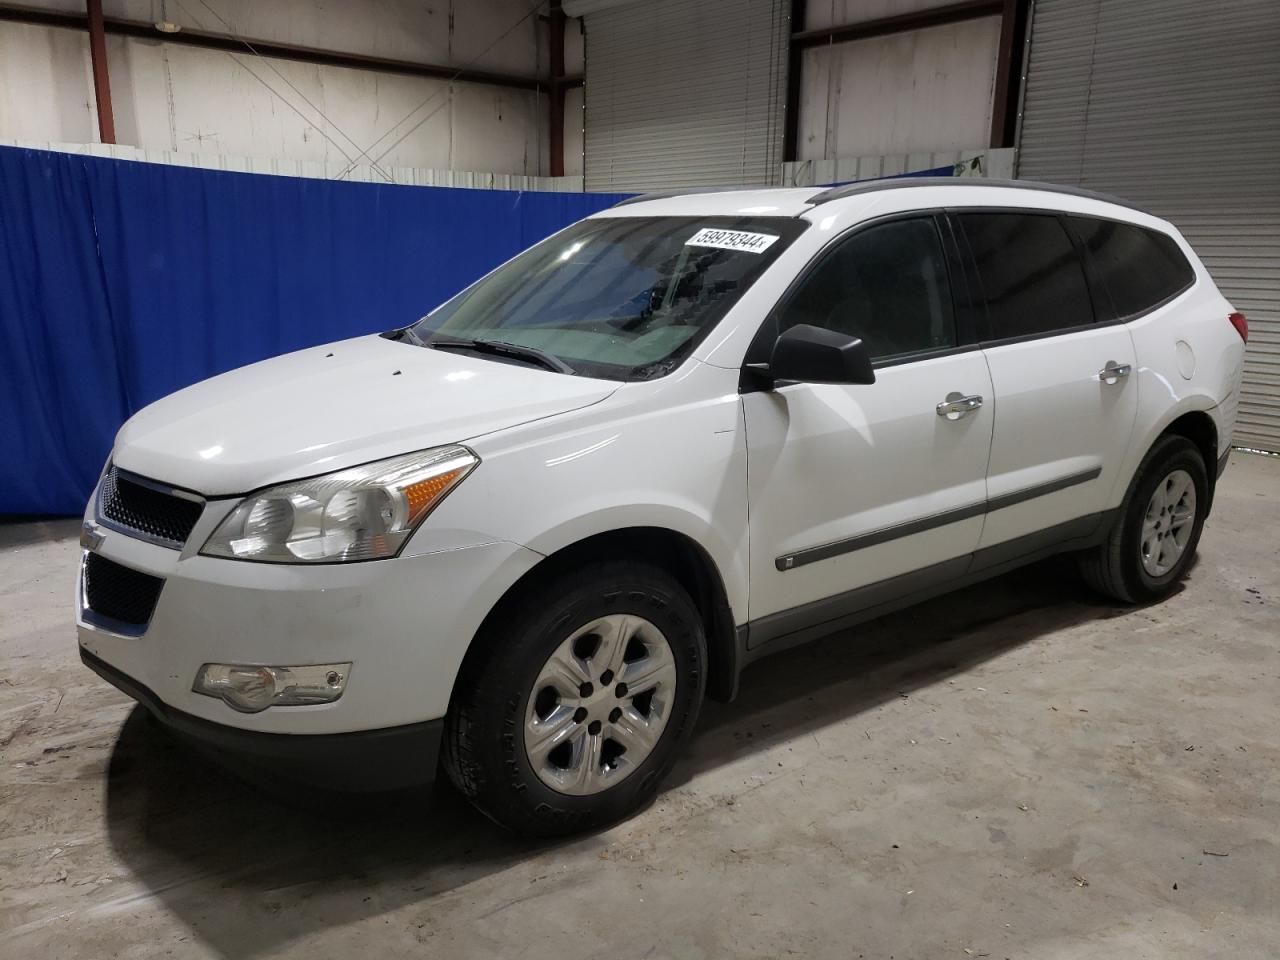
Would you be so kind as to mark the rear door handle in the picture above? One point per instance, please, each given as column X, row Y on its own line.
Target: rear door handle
column 1114, row 372
column 957, row 405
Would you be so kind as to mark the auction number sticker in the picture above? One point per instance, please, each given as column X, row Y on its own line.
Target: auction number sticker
column 731, row 240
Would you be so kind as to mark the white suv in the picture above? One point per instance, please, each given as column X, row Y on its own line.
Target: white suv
column 529, row 532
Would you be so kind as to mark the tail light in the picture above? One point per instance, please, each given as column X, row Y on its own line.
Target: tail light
column 1241, row 323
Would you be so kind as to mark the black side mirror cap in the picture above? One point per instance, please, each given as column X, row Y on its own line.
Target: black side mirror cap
column 809, row 354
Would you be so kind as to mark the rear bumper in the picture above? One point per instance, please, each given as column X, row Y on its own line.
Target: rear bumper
column 367, row 760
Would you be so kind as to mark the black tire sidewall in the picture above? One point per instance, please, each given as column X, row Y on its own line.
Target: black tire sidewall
column 1173, row 453
column 529, row 633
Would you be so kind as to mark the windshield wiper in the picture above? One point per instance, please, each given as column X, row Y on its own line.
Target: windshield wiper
column 404, row 334
column 501, row 348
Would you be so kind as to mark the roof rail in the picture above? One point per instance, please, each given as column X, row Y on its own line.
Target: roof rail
column 897, row 183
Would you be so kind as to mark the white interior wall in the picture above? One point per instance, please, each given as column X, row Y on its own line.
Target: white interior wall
column 168, row 96
column 398, row 29
column 364, row 173
column 830, row 13
column 919, row 91
column 46, row 85
column 574, row 46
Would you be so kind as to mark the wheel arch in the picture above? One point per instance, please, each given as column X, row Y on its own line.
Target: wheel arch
column 676, row 553
column 1201, row 429
column 1195, row 418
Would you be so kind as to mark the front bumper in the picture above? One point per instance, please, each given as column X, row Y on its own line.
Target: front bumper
column 367, row 760
column 404, row 624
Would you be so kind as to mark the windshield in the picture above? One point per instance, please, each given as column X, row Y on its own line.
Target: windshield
column 625, row 298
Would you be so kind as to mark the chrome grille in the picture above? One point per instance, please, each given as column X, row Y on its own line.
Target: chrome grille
column 146, row 509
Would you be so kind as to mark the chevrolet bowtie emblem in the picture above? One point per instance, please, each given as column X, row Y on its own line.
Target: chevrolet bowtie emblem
column 90, row 537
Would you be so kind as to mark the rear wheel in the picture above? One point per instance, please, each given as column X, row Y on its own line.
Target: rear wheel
column 573, row 705
column 1153, row 539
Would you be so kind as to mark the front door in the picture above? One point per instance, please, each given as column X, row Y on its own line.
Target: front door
column 859, row 491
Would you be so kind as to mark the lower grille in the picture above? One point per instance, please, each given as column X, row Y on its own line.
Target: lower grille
column 119, row 593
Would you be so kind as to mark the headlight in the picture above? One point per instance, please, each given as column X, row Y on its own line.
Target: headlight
column 362, row 513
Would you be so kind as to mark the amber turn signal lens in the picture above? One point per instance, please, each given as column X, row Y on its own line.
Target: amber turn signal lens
column 424, row 494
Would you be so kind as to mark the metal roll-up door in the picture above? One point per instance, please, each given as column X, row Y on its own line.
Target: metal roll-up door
column 1175, row 104
column 685, row 94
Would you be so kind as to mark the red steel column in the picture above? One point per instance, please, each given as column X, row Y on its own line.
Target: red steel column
column 101, row 82
column 1004, row 101
column 555, row 23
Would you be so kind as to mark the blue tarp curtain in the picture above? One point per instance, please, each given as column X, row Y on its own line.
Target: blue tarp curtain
column 121, row 282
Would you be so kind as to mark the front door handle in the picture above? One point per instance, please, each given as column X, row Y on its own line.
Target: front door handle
column 1114, row 372
column 957, row 405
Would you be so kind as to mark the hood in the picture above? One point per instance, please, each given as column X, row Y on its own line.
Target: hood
column 335, row 406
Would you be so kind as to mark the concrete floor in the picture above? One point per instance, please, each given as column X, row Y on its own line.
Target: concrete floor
column 1015, row 771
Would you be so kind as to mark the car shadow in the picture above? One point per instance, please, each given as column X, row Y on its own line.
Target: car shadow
column 217, row 851
column 847, row 673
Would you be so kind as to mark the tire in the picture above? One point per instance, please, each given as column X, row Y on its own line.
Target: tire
column 1122, row 567
column 509, row 695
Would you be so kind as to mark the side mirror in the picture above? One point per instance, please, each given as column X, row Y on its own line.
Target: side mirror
column 809, row 354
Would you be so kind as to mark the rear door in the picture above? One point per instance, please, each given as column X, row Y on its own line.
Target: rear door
column 1061, row 373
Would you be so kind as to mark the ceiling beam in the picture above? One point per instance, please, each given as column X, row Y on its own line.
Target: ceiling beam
column 265, row 48
column 916, row 20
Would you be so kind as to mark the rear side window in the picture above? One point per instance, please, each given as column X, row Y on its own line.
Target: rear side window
column 886, row 284
column 1139, row 268
column 1029, row 273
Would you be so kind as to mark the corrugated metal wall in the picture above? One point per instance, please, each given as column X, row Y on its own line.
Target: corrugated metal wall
column 685, row 94
column 1175, row 104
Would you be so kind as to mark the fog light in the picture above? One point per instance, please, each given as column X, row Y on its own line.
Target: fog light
column 250, row 688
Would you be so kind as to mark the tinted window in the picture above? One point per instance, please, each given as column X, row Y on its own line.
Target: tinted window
column 1139, row 267
column 886, row 284
column 1029, row 272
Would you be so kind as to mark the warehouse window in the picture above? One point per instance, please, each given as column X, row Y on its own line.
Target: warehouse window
column 886, row 285
column 1029, row 272
column 1139, row 268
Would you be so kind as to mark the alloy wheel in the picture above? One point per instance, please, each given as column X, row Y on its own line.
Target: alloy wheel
column 1168, row 523
column 600, row 704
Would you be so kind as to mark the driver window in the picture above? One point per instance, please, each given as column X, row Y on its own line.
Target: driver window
column 887, row 285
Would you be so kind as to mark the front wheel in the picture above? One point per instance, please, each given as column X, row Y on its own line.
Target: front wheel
column 1153, row 539
column 574, row 704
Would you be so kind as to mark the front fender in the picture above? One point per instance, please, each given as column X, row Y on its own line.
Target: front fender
column 668, row 454
column 728, row 557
